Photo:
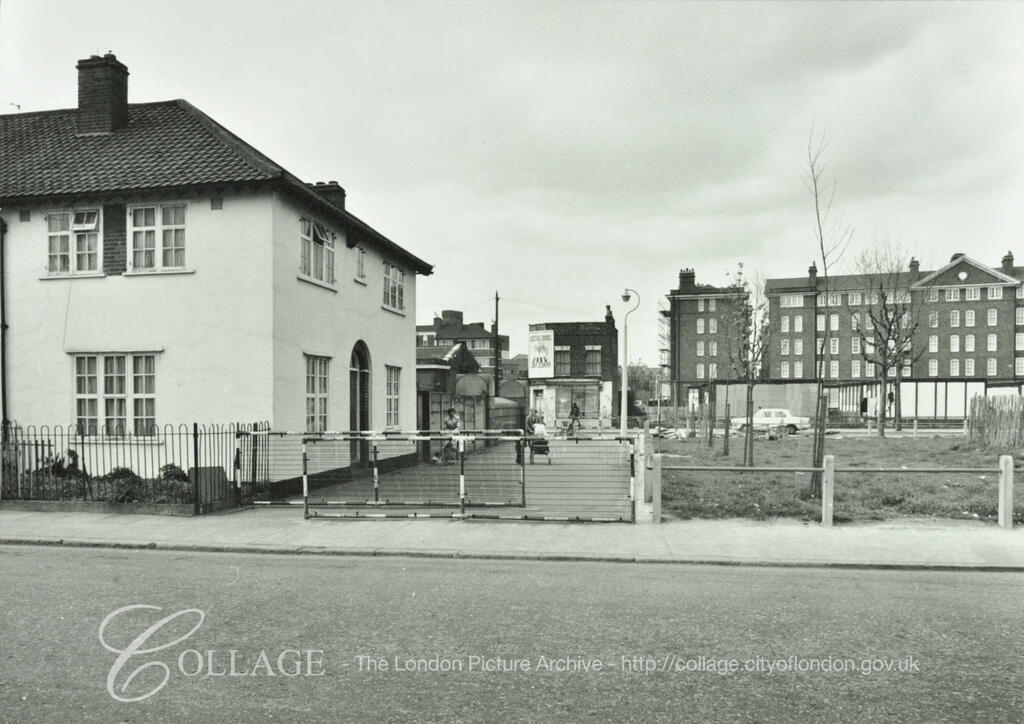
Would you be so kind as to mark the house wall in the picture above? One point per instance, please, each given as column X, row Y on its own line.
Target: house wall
column 311, row 319
column 211, row 328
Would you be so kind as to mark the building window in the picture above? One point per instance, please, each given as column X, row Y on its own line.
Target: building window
column 149, row 223
column 712, row 370
column 73, row 242
column 968, row 343
column 855, row 345
column 855, row 368
column 593, row 363
column 954, row 368
column 869, row 346
column 562, row 366
column 1019, row 315
column 394, row 379
column 821, row 323
column 784, row 347
column 785, row 370
column 854, row 298
column 1020, row 291
column 855, row 321
column 394, row 287
column 798, row 323
column 906, row 371
column 933, row 368
column 711, row 305
column 700, row 325
column 712, row 326
column 791, row 300
column 317, row 251
column 1018, row 341
column 700, row 370
column 798, row 369
column 932, row 295
column 118, row 405
column 933, row 343
column 992, row 317
column 933, row 319
column 713, row 348
column 992, row 342
column 991, row 367
column 821, row 345
column 1018, row 366
column 954, row 318
column 833, row 369
column 700, row 305
column 952, row 295
column 995, row 292
column 973, row 294
column 316, row 393
column 700, row 347
column 833, row 322
column 954, row 343
column 834, row 299
column 869, row 370
column 360, row 263
column 798, row 346
column 969, row 318
column 833, row 345
column 968, row 368
column 785, row 323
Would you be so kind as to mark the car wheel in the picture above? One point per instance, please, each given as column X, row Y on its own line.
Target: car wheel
column 791, row 429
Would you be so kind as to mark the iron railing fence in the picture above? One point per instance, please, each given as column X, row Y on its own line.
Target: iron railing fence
column 196, row 464
column 481, row 474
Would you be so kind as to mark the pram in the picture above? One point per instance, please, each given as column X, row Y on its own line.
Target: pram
column 538, row 442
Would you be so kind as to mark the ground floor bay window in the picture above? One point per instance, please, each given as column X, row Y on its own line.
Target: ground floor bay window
column 115, row 394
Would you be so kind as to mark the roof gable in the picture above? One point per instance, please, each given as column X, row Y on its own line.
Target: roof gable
column 973, row 272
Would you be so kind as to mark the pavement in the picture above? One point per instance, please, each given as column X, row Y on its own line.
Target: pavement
column 906, row 543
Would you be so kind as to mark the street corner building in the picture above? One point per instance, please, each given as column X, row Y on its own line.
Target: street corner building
column 158, row 269
column 964, row 337
column 574, row 363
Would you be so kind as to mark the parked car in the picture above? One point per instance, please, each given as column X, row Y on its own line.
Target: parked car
column 773, row 417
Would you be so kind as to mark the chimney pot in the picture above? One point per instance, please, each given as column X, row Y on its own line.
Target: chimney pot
column 812, row 271
column 915, row 265
column 1008, row 262
column 102, row 94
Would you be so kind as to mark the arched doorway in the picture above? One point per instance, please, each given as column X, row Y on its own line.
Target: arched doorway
column 359, row 398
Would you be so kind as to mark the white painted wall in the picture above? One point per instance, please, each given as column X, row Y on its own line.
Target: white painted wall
column 310, row 319
column 212, row 328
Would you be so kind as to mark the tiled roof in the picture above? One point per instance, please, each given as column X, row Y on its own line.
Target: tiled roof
column 170, row 144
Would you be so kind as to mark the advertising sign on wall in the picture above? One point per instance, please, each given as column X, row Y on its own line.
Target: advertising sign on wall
column 541, row 354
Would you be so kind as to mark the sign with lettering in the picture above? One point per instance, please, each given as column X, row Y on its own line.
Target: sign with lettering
column 542, row 354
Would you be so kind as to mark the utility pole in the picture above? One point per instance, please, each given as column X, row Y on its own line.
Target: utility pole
column 497, row 347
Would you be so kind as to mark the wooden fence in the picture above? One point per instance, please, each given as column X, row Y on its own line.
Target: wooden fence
column 997, row 421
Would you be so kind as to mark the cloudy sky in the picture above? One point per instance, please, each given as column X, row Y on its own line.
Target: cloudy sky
column 558, row 152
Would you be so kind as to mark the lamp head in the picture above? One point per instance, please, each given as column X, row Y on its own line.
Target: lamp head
column 625, row 296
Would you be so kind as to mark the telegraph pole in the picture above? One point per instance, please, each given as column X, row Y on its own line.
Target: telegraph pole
column 497, row 347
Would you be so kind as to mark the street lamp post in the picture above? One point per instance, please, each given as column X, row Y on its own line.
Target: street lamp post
column 623, row 404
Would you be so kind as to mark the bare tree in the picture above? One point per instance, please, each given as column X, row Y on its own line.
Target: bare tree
column 746, row 320
column 832, row 236
column 889, row 321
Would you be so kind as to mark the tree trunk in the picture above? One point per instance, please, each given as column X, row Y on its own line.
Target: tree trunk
column 898, row 405
column 748, row 448
column 883, row 399
column 725, row 425
column 818, row 453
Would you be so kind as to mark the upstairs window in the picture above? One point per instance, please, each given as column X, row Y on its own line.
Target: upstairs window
column 157, row 237
column 995, row 292
column 360, row 263
column 932, row 295
column 973, row 294
column 562, row 365
column 593, row 362
column 394, row 287
column 317, row 251
column 798, row 323
column 952, row 295
column 73, row 242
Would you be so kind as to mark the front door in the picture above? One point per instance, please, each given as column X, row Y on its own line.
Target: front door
column 359, row 400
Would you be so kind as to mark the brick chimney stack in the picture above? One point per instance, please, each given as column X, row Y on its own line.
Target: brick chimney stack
column 812, row 273
column 687, row 281
column 915, row 265
column 102, row 94
column 609, row 318
column 1008, row 262
column 331, row 191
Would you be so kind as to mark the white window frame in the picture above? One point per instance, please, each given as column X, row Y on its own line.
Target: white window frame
column 954, row 367
column 784, row 370
column 855, row 368
column 392, row 396
column 713, row 325
column 968, row 343
column 855, row 299
column 991, row 367
column 700, row 347
column 932, row 295
column 700, row 370
column 712, row 370
column 969, row 318
column 992, row 343
column 798, row 369
column 394, row 287
column 798, row 323
column 700, row 325
column 158, row 229
column 1018, row 341
column 1019, row 315
column 933, row 343
column 790, row 301
column 820, row 323
column 316, row 253
column 972, row 294
column 713, row 348
column 833, row 369
column 711, row 305
column 953, row 294
column 995, row 293
column 1018, row 366
column 798, row 347
column 933, row 319
column 833, row 322
column 318, row 376
column 954, row 317
column 360, row 264
column 833, row 345
column 74, row 235
column 700, row 304
column 992, row 317
column 933, row 368
column 954, row 343
column 785, row 323
column 784, row 347
column 969, row 367
column 129, row 386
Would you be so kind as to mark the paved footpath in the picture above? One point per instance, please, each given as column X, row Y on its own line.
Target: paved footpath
column 911, row 543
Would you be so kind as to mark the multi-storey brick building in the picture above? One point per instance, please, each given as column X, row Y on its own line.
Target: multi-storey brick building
column 450, row 329
column 698, row 323
column 969, row 333
column 575, row 363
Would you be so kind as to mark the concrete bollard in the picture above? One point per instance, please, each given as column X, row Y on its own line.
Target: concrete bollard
column 656, row 489
column 915, row 427
column 828, row 485
column 1006, row 491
